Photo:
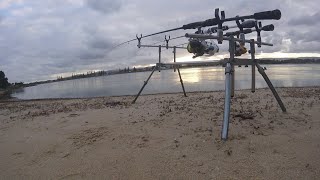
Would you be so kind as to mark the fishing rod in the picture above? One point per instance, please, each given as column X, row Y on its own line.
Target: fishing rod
column 269, row 27
column 265, row 15
column 244, row 24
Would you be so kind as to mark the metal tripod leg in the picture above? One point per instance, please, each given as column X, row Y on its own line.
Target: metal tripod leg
column 266, row 78
column 184, row 92
column 253, row 67
column 228, row 91
column 226, row 115
column 145, row 83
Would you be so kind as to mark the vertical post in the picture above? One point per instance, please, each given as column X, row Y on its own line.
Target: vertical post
column 265, row 77
column 226, row 114
column 159, row 58
column 184, row 92
column 228, row 74
column 144, row 84
column 253, row 67
column 232, row 80
column 174, row 58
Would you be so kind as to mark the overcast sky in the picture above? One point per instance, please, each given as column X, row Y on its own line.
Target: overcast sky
column 42, row 39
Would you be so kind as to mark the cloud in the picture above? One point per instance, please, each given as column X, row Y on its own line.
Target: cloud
column 40, row 39
column 105, row 6
column 306, row 20
column 8, row 3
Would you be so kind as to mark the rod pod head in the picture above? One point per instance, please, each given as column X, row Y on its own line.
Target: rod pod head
column 220, row 22
column 139, row 40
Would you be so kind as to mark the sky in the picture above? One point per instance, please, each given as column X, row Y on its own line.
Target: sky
column 43, row 39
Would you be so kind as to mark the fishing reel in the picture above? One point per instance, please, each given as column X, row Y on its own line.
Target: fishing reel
column 201, row 47
column 240, row 49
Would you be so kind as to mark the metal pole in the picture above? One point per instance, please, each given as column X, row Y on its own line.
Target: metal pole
column 253, row 67
column 228, row 72
column 174, row 58
column 159, row 57
column 144, row 84
column 226, row 115
column 265, row 77
column 232, row 80
column 184, row 92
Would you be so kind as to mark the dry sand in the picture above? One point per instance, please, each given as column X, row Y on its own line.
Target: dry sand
column 164, row 136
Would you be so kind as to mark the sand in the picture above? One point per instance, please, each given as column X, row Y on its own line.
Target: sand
column 165, row 136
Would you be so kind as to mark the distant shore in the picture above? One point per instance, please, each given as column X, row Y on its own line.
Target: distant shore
column 149, row 68
column 163, row 136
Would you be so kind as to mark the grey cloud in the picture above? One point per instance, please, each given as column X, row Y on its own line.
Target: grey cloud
column 101, row 44
column 308, row 47
column 306, row 20
column 105, row 6
column 90, row 55
column 310, row 35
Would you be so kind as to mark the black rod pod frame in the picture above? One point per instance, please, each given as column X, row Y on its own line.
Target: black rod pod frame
column 241, row 35
column 139, row 40
column 241, row 26
column 167, row 41
column 220, row 21
column 258, row 27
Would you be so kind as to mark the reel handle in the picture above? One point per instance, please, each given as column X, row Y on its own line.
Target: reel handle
column 269, row 27
column 275, row 14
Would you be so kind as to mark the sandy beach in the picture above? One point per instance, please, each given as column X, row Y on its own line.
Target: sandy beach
column 164, row 136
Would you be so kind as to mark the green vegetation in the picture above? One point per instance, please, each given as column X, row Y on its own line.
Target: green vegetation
column 5, row 89
column 4, row 84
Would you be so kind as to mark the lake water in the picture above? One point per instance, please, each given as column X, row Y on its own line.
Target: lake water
column 167, row 81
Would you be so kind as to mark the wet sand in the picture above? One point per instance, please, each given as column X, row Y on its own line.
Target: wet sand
column 164, row 136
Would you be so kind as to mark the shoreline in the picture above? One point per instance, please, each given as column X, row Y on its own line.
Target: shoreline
column 14, row 99
column 163, row 136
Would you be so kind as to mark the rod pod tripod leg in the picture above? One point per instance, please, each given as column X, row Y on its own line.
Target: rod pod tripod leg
column 274, row 92
column 144, row 84
column 184, row 92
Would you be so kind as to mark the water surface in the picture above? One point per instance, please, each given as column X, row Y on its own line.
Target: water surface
column 167, row 81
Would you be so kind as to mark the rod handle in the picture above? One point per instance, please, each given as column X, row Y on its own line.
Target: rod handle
column 248, row 24
column 210, row 22
column 269, row 27
column 275, row 14
column 245, row 31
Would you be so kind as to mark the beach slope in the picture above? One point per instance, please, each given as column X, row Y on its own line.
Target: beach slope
column 165, row 136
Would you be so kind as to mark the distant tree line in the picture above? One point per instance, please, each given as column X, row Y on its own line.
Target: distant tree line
column 83, row 75
column 3, row 81
column 127, row 70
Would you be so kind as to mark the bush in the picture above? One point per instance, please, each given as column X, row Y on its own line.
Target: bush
column 3, row 81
